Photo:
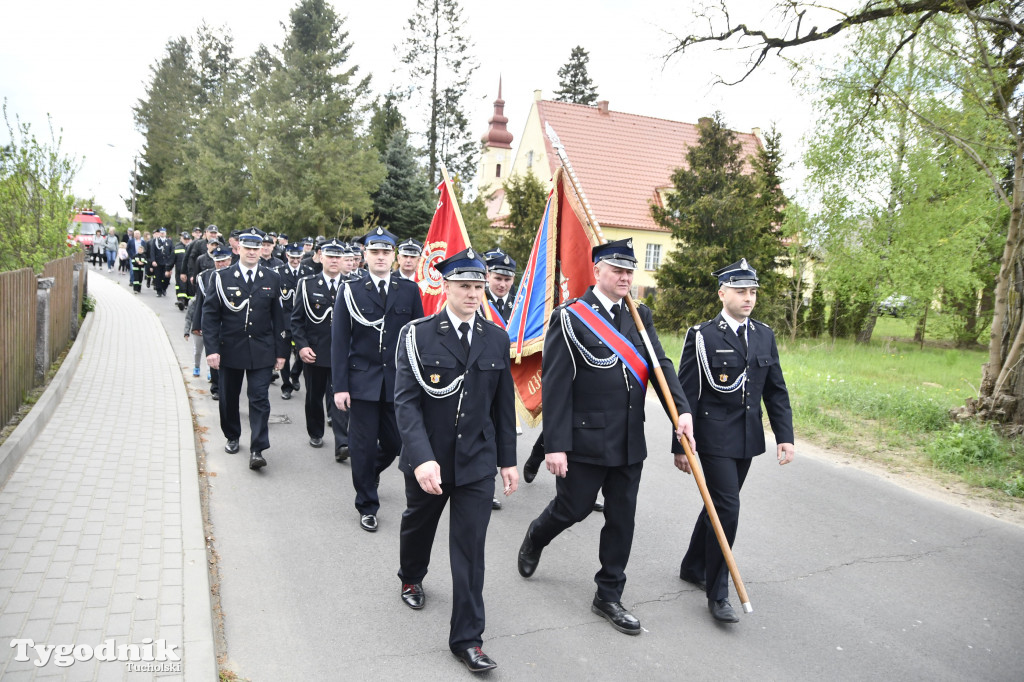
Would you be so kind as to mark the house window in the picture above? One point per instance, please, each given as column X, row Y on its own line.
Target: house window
column 652, row 258
column 529, row 159
column 497, row 172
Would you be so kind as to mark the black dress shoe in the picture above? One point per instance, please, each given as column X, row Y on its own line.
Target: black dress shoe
column 256, row 460
column 274, row 377
column 598, row 506
column 316, row 442
column 495, row 503
column 413, row 595
column 621, row 619
column 475, row 659
column 231, row 447
column 722, row 610
column 329, row 422
column 295, row 384
column 368, row 522
column 341, row 453
column 529, row 556
column 286, row 395
column 215, row 396
column 693, row 580
column 530, row 469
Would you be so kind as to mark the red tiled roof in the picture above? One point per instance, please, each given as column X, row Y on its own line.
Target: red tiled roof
column 622, row 159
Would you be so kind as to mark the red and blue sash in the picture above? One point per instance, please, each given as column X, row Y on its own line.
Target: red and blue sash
column 495, row 316
column 618, row 343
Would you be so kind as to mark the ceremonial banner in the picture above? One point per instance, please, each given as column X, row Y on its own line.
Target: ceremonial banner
column 446, row 237
column 559, row 268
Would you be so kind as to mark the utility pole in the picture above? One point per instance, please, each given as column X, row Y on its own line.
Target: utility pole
column 135, row 183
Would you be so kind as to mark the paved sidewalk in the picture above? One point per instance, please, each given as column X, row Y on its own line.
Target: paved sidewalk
column 101, row 531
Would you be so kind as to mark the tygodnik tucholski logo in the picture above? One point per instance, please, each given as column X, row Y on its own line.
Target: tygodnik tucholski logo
column 149, row 656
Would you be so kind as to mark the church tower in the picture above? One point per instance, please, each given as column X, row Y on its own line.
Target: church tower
column 496, row 157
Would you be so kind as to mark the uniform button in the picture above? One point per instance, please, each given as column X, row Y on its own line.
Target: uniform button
column 462, row 414
column 459, row 436
column 437, row 362
column 583, row 423
column 705, row 413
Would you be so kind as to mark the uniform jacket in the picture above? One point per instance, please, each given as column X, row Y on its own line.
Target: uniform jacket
column 203, row 283
column 729, row 424
column 288, row 284
column 471, row 431
column 505, row 311
column 161, row 251
column 598, row 416
column 180, row 251
column 250, row 338
column 314, row 291
column 363, row 361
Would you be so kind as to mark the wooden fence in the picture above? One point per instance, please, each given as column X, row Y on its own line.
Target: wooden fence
column 17, row 339
column 18, row 318
column 62, row 298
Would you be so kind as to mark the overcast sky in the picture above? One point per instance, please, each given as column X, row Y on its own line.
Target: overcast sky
column 86, row 64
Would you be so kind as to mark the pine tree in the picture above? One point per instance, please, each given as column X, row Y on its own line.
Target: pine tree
column 385, row 121
column 404, row 203
column 717, row 216
column 314, row 171
column 574, row 83
column 438, row 55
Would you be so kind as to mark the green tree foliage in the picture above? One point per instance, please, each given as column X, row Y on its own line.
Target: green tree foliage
column 166, row 117
column 526, row 198
column 718, row 216
column 385, row 121
column 904, row 211
column 35, row 198
column 404, row 203
column 314, row 172
column 574, row 83
column 438, row 54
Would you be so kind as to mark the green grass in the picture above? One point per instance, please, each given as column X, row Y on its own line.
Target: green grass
column 890, row 400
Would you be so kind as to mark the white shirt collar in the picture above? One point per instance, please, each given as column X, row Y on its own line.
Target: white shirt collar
column 456, row 322
column 605, row 301
column 733, row 324
column 377, row 280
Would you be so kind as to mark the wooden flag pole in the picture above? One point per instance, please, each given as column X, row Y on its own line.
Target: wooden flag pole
column 698, row 473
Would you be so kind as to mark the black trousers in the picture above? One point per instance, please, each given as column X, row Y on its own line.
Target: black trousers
column 371, row 422
column 467, row 533
column 704, row 559
column 295, row 371
column 215, row 382
column 574, row 500
column 258, row 384
column 318, row 385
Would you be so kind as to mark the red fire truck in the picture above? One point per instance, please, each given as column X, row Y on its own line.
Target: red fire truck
column 83, row 226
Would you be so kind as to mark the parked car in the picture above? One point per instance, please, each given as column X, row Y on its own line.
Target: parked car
column 895, row 305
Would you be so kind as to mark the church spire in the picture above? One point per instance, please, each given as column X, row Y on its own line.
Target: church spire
column 498, row 135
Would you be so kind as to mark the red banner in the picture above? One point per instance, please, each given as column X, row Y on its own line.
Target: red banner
column 446, row 237
column 559, row 268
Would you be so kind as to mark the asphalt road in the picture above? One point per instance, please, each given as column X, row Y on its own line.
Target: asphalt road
column 850, row 576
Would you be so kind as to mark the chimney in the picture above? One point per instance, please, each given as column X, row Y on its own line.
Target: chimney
column 756, row 131
column 536, row 95
column 602, row 107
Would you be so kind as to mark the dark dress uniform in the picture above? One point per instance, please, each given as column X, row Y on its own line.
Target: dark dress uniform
column 728, row 430
column 182, row 290
column 597, row 419
column 204, row 281
column 364, row 334
column 161, row 252
column 244, row 323
column 311, row 328
column 292, row 364
column 469, row 432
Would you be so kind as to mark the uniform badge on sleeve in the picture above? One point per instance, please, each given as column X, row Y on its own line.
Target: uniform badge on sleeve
column 434, row 378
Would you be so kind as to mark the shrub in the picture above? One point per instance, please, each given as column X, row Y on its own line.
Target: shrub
column 1015, row 485
column 963, row 446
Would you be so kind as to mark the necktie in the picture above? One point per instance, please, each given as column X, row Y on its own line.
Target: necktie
column 248, row 278
column 615, row 315
column 334, row 290
column 741, row 332
column 464, row 331
column 383, row 292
